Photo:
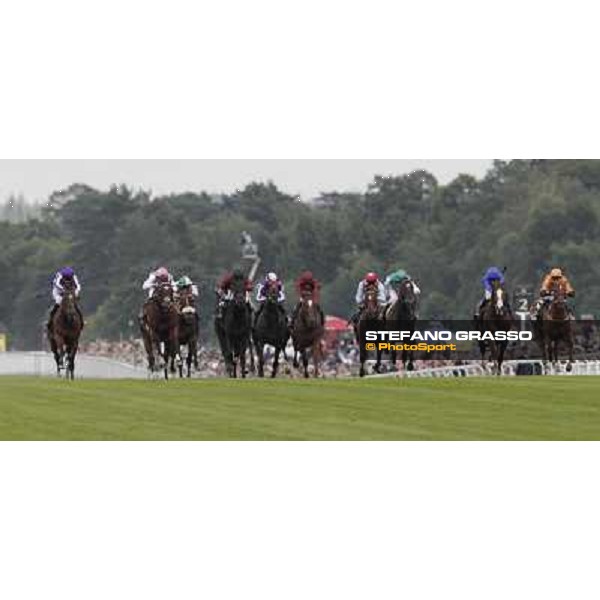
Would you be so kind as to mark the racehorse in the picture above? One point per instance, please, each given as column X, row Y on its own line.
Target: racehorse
column 64, row 334
column 307, row 333
column 401, row 316
column 235, row 330
column 271, row 329
column 188, row 331
column 160, row 330
column 495, row 316
column 556, row 327
column 370, row 316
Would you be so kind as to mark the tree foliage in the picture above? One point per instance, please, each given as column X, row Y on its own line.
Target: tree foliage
column 526, row 215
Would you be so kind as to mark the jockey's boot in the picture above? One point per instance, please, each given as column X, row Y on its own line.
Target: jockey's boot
column 80, row 315
column 50, row 318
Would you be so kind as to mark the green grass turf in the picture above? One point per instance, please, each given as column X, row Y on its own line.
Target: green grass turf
column 521, row 408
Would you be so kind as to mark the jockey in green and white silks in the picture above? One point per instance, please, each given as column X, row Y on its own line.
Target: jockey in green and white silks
column 393, row 282
column 185, row 284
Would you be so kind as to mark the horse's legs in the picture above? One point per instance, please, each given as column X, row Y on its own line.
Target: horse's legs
column 59, row 354
column 275, row 362
column 316, row 356
column 72, row 354
column 259, row 347
column 305, row 362
column 243, row 360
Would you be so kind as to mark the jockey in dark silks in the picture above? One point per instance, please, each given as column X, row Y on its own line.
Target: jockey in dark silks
column 64, row 279
column 493, row 277
column 306, row 285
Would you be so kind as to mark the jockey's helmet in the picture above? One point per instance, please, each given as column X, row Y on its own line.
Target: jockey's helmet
column 185, row 281
column 162, row 273
column 67, row 273
column 556, row 273
column 272, row 277
column 371, row 278
column 238, row 274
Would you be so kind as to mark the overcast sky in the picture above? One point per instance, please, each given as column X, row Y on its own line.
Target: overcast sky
column 36, row 179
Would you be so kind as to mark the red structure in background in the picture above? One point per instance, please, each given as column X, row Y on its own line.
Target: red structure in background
column 335, row 328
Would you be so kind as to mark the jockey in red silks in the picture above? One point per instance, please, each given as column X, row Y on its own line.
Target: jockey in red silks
column 307, row 286
column 224, row 293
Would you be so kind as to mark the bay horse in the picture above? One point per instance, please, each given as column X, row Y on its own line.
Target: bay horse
column 307, row 333
column 188, row 331
column 401, row 315
column 271, row 328
column 65, row 330
column 556, row 326
column 235, row 330
column 495, row 316
column 370, row 317
column 160, row 330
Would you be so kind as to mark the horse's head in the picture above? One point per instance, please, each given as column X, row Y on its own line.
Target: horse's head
column 499, row 300
column 371, row 302
column 187, row 305
column 164, row 296
column 558, row 306
column 309, row 311
column 272, row 293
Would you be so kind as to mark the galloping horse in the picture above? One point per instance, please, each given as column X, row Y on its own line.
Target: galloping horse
column 556, row 327
column 307, row 333
column 235, row 330
column 495, row 316
column 160, row 329
column 270, row 328
column 402, row 315
column 370, row 316
column 188, row 331
column 64, row 333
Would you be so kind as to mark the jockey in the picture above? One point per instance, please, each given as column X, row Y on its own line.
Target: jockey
column 306, row 284
column 186, row 285
column 64, row 278
column 370, row 280
column 157, row 278
column 556, row 276
column 493, row 276
column 261, row 295
column 224, row 293
column 394, row 280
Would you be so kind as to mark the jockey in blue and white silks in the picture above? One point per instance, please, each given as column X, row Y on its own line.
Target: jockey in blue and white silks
column 492, row 276
column 271, row 280
column 65, row 277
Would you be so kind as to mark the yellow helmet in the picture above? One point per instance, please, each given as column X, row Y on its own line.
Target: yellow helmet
column 556, row 273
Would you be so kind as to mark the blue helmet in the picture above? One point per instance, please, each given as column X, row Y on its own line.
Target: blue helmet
column 67, row 272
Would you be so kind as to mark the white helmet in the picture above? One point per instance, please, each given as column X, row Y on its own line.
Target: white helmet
column 272, row 277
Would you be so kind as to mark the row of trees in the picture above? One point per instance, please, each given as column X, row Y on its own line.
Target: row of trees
column 526, row 215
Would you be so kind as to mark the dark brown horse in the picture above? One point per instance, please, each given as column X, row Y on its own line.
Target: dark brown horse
column 556, row 327
column 64, row 333
column 235, row 330
column 307, row 333
column 369, row 317
column 495, row 316
column 160, row 330
column 270, row 328
column 402, row 316
column 188, row 331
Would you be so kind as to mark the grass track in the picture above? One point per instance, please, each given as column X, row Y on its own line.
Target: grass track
column 521, row 408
